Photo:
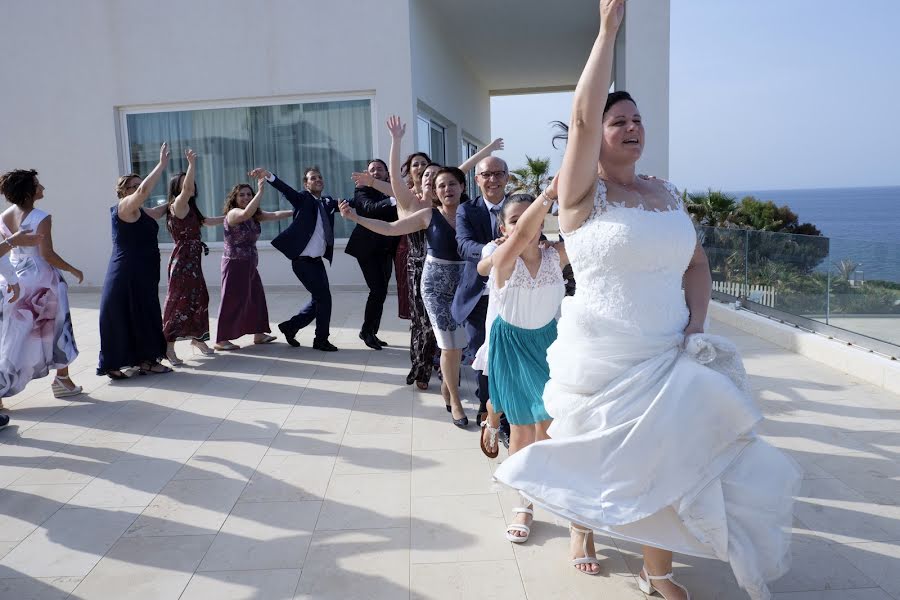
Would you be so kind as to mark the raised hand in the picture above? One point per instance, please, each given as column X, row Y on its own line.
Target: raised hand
column 77, row 274
column 347, row 212
column 260, row 184
column 191, row 156
column 363, row 179
column 499, row 241
column 164, row 155
column 14, row 290
column 551, row 192
column 496, row 145
column 612, row 12
column 259, row 172
column 396, row 127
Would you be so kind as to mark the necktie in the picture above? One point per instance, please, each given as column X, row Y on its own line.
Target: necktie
column 495, row 226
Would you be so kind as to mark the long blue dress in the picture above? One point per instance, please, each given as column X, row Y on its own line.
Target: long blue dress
column 131, row 330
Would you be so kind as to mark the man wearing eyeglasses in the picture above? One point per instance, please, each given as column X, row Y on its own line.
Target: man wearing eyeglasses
column 477, row 223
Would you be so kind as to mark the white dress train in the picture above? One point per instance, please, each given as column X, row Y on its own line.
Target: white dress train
column 652, row 438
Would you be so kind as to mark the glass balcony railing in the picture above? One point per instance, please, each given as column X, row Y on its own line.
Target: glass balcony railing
column 848, row 284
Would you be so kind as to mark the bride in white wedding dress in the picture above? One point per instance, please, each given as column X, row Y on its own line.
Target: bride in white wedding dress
column 652, row 438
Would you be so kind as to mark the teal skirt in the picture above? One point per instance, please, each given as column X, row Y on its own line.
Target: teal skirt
column 518, row 370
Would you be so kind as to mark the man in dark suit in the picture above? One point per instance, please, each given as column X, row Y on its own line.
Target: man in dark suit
column 305, row 242
column 374, row 252
column 477, row 223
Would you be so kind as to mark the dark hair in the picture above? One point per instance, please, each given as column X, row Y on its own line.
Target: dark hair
column 312, row 169
column 176, row 182
column 434, row 201
column 231, row 199
column 378, row 160
column 19, row 186
column 404, row 170
column 611, row 100
column 459, row 176
column 512, row 200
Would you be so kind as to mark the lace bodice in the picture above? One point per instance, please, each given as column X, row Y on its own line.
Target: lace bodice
column 530, row 302
column 628, row 262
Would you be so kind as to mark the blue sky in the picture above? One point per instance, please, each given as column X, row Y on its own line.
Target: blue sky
column 768, row 94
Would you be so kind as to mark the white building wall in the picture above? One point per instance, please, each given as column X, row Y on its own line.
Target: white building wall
column 75, row 63
column 443, row 83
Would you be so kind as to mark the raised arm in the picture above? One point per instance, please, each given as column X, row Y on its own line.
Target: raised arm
column 481, row 154
column 579, row 164
column 365, row 179
column 414, row 222
column 407, row 201
column 130, row 205
column 239, row 215
column 180, row 206
column 294, row 197
column 527, row 228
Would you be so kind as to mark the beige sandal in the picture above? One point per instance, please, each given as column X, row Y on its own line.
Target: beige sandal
column 586, row 559
column 61, row 390
column 226, row 346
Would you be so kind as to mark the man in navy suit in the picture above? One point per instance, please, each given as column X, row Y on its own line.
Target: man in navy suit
column 477, row 223
column 305, row 242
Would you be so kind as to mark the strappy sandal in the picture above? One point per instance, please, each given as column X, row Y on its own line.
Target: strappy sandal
column 519, row 539
column 116, row 375
column 493, row 440
column 645, row 583
column 61, row 390
column 586, row 559
column 155, row 369
column 226, row 346
column 267, row 339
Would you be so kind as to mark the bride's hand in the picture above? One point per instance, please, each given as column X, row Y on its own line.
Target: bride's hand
column 612, row 13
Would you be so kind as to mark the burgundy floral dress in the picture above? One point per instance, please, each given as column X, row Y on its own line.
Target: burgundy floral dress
column 243, row 307
column 186, row 313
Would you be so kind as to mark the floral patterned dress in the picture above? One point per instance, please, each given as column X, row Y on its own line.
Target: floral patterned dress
column 243, row 307
column 186, row 313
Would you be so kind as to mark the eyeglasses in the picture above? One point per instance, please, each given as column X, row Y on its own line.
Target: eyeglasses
column 495, row 174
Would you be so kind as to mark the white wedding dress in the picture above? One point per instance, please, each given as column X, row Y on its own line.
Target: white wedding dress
column 652, row 438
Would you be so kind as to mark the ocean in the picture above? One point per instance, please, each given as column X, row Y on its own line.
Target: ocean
column 863, row 224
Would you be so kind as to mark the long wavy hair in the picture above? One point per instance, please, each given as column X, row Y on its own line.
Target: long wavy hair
column 175, row 184
column 231, row 200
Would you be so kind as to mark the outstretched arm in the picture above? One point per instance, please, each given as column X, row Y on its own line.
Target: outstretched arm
column 275, row 216
column 579, row 165
column 415, row 222
column 364, row 179
column 294, row 197
column 130, row 205
column 476, row 158
column 180, row 206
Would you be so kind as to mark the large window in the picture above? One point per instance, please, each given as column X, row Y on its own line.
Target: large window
column 467, row 150
column 431, row 138
column 285, row 138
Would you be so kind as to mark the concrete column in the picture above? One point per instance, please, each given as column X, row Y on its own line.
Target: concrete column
column 642, row 69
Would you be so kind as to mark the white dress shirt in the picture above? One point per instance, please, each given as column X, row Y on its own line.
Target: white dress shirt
column 315, row 248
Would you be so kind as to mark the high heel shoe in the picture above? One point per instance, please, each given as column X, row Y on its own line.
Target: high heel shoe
column 173, row 358
column 204, row 349
column 587, row 559
column 646, row 585
column 61, row 390
column 461, row 423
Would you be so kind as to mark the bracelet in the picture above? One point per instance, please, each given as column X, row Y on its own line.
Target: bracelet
column 547, row 199
column 6, row 241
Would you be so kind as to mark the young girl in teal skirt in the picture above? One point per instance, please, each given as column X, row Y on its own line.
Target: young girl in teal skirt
column 526, row 287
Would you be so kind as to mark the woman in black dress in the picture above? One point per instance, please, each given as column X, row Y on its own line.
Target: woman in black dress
column 131, row 332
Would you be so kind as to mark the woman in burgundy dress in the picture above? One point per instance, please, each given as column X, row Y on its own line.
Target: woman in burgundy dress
column 242, row 309
column 186, row 313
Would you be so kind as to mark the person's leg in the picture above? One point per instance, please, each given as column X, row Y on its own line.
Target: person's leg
column 305, row 274
column 387, row 270
column 373, row 272
column 475, row 328
column 321, row 293
column 450, row 367
column 520, row 437
column 658, row 563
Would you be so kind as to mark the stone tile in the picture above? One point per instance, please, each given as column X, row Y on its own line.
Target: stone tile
column 231, row 459
column 831, row 510
column 458, row 528
column 819, row 566
column 263, row 535
column 24, row 507
column 5, row 547
column 74, row 464
column 289, row 479
column 174, row 442
column 150, row 568
column 877, row 560
column 251, row 424
column 69, row 543
column 308, row 438
column 188, row 507
column 864, row 594
column 127, row 483
column 449, row 581
column 382, row 416
column 243, row 585
column 43, row 588
column 371, row 564
column 369, row 501
column 376, row 453
column 451, row 472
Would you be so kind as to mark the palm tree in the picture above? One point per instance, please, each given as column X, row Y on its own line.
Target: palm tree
column 532, row 178
column 711, row 208
column 845, row 269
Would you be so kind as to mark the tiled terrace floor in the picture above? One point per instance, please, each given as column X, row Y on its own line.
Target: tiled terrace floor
column 274, row 473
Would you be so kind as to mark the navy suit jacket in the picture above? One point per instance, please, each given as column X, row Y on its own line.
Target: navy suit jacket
column 372, row 204
column 473, row 231
column 293, row 240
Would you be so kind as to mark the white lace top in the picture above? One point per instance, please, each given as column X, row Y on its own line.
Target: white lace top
column 530, row 302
